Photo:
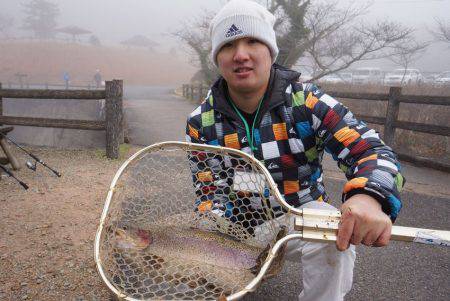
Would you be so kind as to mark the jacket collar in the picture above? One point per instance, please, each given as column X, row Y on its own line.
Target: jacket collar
column 280, row 79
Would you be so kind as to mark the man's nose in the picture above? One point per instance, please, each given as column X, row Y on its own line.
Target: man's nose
column 241, row 53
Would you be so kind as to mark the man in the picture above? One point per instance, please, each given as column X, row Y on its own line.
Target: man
column 66, row 78
column 97, row 79
column 262, row 109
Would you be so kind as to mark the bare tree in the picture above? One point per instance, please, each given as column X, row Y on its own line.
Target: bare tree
column 407, row 53
column 291, row 29
column 442, row 32
column 329, row 38
column 6, row 23
column 41, row 18
column 196, row 37
column 335, row 38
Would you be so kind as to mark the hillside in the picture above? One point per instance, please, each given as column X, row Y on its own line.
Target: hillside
column 47, row 61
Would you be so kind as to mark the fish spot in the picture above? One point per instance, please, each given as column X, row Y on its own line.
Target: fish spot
column 192, row 284
column 210, row 286
column 202, row 281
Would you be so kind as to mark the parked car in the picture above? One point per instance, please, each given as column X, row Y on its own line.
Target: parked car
column 347, row 77
column 402, row 77
column 364, row 76
column 337, row 78
column 332, row 79
column 430, row 77
column 443, row 79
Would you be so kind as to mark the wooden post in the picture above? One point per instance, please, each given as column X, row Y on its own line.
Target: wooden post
column 114, row 117
column 11, row 159
column 200, row 92
column 199, row 96
column 1, row 103
column 392, row 115
column 191, row 94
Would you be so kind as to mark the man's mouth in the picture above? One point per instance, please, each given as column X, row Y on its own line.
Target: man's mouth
column 242, row 69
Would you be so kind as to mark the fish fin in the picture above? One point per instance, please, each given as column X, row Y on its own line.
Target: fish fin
column 278, row 261
column 260, row 260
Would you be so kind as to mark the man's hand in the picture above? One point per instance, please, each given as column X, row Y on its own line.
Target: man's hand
column 363, row 221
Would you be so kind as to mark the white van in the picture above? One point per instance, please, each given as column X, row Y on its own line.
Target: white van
column 364, row 76
column 402, row 77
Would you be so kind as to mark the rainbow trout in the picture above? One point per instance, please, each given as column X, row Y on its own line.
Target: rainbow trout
column 190, row 245
column 183, row 260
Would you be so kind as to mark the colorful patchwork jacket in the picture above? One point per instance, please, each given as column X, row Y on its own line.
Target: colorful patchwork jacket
column 297, row 122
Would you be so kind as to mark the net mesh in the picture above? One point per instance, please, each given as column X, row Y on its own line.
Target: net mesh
column 187, row 224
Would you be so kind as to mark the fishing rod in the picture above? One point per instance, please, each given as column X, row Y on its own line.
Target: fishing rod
column 9, row 173
column 36, row 159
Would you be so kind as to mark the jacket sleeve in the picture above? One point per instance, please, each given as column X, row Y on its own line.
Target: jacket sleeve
column 370, row 166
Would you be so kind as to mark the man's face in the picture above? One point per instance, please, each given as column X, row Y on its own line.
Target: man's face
column 245, row 64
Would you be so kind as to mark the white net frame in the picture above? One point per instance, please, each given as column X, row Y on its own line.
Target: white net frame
column 167, row 231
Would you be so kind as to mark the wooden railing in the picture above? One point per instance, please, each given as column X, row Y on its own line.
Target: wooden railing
column 195, row 92
column 390, row 121
column 47, row 85
column 113, row 95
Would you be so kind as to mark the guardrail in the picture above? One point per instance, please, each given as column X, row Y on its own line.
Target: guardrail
column 390, row 121
column 113, row 123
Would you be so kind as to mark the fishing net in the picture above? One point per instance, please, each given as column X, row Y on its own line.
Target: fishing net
column 187, row 222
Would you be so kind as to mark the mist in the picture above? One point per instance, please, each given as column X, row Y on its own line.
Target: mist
column 114, row 21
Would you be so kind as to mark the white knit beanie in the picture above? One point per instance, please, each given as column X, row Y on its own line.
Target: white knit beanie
column 239, row 19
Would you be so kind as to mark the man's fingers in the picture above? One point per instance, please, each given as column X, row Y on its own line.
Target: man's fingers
column 384, row 238
column 345, row 231
column 370, row 238
column 358, row 234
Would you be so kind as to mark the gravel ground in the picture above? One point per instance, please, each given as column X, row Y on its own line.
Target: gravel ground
column 46, row 247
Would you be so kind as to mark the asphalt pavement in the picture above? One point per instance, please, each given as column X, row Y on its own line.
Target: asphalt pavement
column 400, row 271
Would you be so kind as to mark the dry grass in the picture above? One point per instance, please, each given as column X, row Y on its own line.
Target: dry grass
column 46, row 62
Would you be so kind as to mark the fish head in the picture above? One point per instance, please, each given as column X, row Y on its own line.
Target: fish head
column 132, row 238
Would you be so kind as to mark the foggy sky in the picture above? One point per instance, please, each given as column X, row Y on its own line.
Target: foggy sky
column 116, row 20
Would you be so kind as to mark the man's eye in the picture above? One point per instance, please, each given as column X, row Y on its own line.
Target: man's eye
column 253, row 41
column 227, row 45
